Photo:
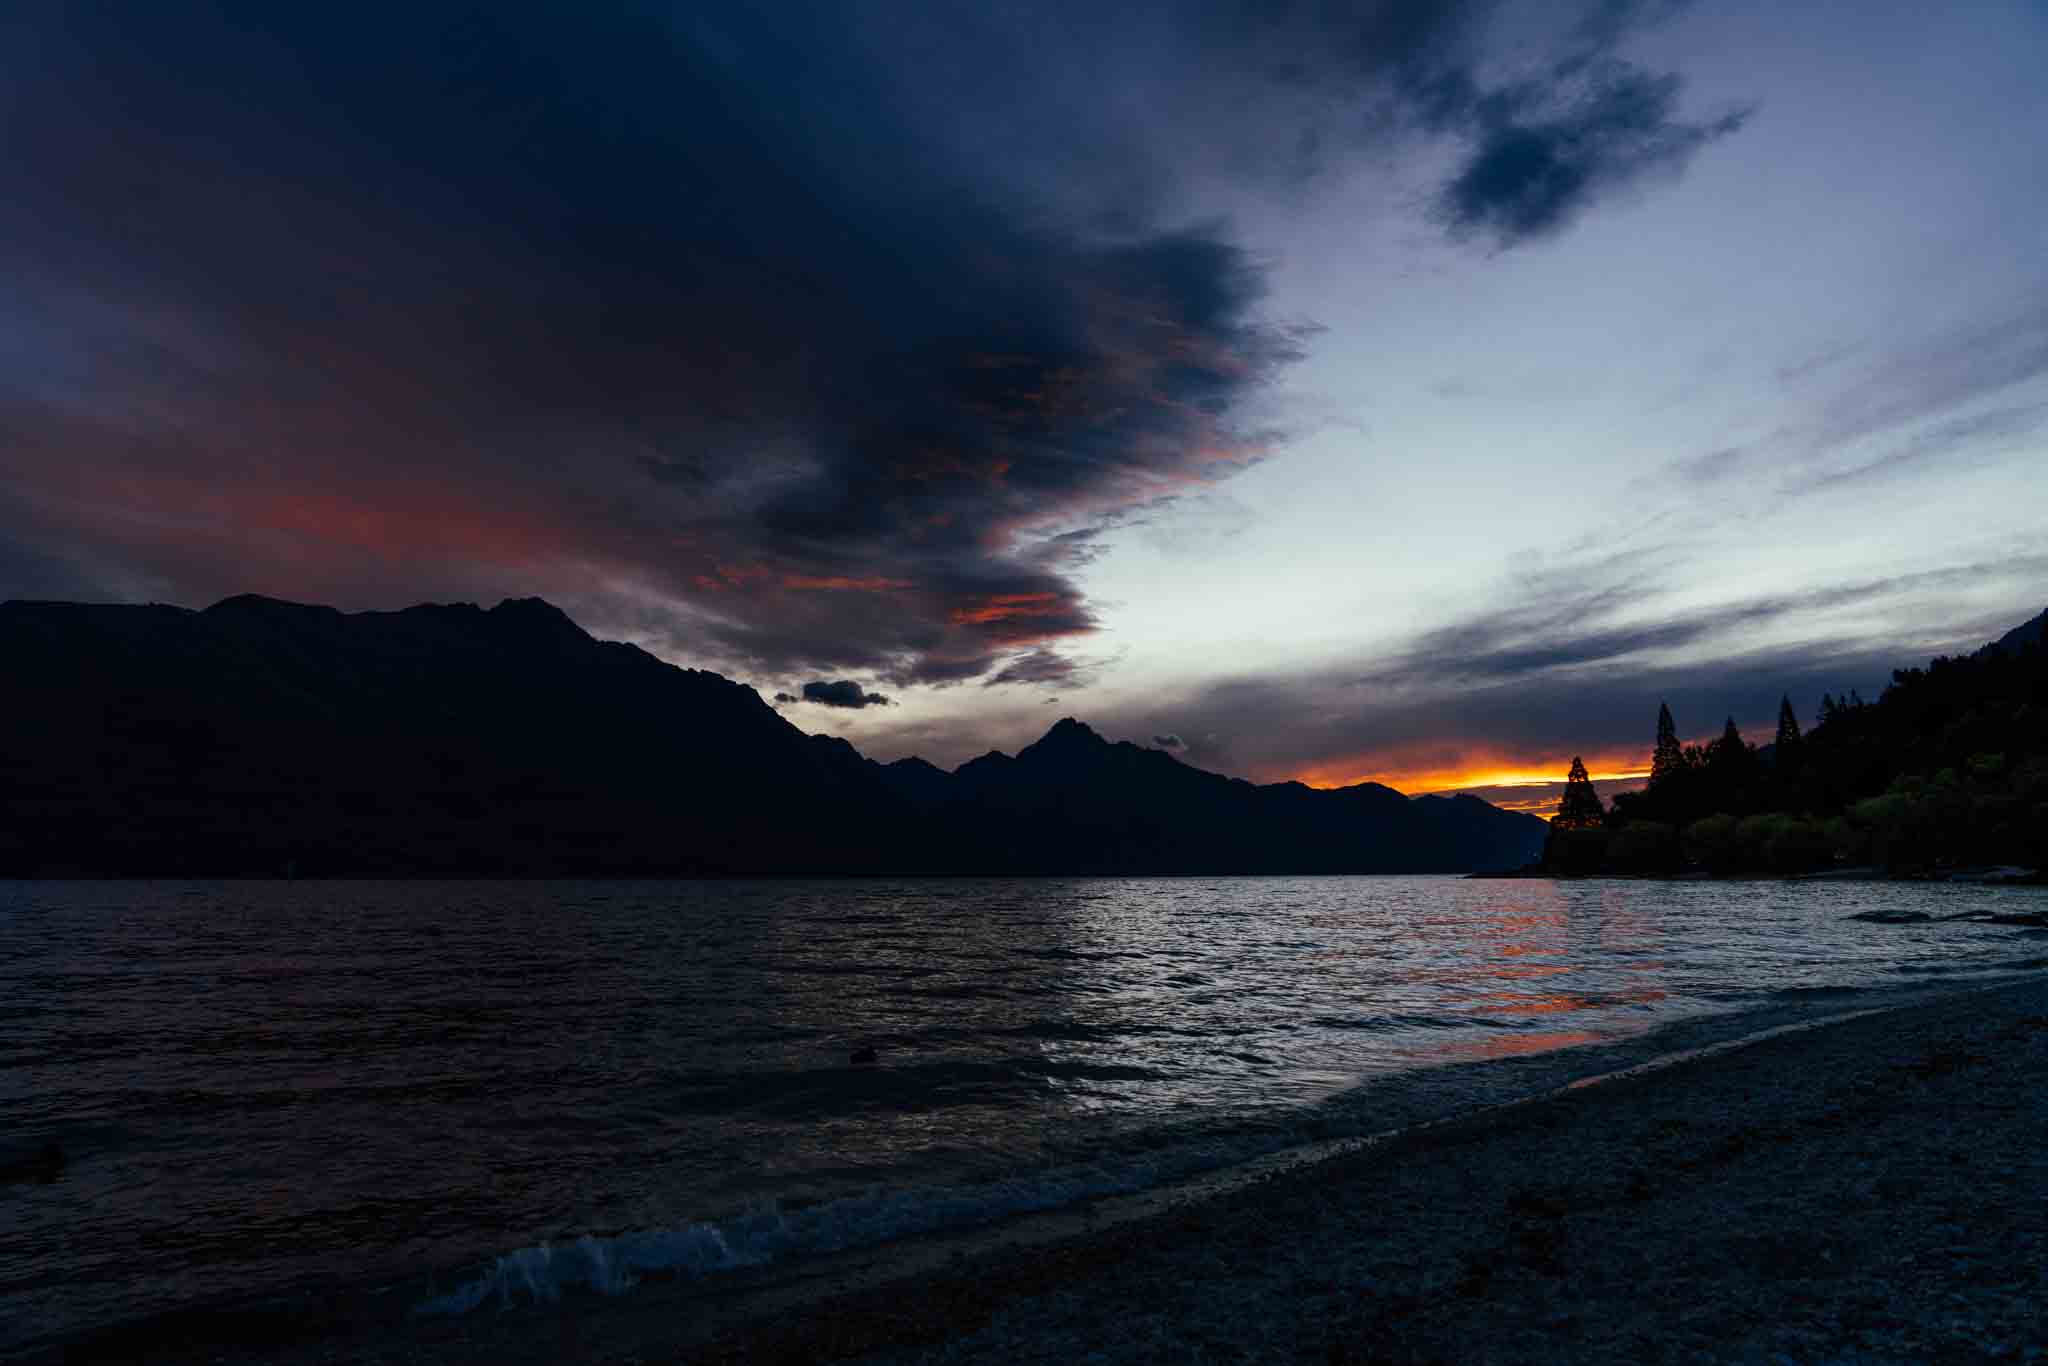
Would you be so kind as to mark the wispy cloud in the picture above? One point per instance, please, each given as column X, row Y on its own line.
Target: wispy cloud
column 1917, row 408
column 1577, row 658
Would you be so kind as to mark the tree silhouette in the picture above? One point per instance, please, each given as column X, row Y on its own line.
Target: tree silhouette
column 1788, row 741
column 1668, row 760
column 1581, row 808
column 1731, row 753
column 1947, row 767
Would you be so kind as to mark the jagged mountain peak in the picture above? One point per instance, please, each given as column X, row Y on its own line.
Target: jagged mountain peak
column 1068, row 731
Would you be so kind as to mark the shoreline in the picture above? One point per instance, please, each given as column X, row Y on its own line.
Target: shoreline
column 1482, row 1259
column 1987, row 875
column 927, row 1289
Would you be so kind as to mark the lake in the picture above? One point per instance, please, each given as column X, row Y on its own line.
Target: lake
column 265, row 1087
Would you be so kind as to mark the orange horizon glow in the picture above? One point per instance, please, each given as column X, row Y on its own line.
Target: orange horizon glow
column 1424, row 773
column 1459, row 778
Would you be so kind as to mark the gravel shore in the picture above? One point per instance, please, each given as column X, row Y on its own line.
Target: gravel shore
column 1875, row 1190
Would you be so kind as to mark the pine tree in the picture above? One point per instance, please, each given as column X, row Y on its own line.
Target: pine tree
column 1669, row 758
column 1788, row 741
column 1730, row 772
column 1731, row 749
column 1581, row 809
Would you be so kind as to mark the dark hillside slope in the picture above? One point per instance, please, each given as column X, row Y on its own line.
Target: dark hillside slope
column 2029, row 633
column 261, row 736
column 264, row 737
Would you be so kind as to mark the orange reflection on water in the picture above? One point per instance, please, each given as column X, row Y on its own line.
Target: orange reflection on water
column 1519, row 1003
column 1522, row 1003
column 1514, row 1045
column 1523, row 972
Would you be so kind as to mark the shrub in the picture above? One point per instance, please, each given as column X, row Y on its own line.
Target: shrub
column 1645, row 847
column 1711, row 843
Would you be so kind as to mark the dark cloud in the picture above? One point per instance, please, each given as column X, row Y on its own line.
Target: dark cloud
column 1546, row 118
column 1170, row 742
column 680, row 320
column 1543, row 154
column 784, row 338
column 844, row 693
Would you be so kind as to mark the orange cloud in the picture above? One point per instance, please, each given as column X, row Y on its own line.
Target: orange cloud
column 1010, row 607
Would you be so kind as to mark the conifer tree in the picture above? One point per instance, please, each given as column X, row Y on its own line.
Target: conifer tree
column 1730, row 771
column 1581, row 809
column 1788, row 734
column 1669, row 758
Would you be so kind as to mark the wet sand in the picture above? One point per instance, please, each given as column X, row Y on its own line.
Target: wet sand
column 1872, row 1190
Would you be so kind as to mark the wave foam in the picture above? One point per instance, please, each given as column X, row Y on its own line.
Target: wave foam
column 613, row 1264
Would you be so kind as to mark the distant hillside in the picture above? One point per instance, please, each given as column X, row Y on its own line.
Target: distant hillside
column 260, row 737
column 1076, row 802
column 1947, row 768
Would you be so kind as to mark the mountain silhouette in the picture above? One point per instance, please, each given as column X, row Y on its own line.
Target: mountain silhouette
column 264, row 737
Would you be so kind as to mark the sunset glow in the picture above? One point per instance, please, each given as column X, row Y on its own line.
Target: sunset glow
column 1532, row 774
column 1533, row 786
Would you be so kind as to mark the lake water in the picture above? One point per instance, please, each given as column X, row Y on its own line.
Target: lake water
column 266, row 1087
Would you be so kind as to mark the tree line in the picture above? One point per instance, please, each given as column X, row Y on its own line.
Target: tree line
column 1947, row 768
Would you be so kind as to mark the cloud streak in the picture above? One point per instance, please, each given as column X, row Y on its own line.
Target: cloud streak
column 1959, row 398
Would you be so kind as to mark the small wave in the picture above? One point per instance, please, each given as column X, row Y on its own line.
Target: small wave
column 613, row 1264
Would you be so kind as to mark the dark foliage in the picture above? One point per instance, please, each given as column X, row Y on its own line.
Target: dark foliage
column 1786, row 748
column 1948, row 767
column 1667, row 761
column 1581, row 808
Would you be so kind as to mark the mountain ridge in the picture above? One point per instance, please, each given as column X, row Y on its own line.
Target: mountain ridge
column 262, row 736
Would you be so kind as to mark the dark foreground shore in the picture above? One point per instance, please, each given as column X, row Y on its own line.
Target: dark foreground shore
column 1875, row 1190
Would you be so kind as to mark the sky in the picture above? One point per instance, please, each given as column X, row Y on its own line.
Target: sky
column 1417, row 391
